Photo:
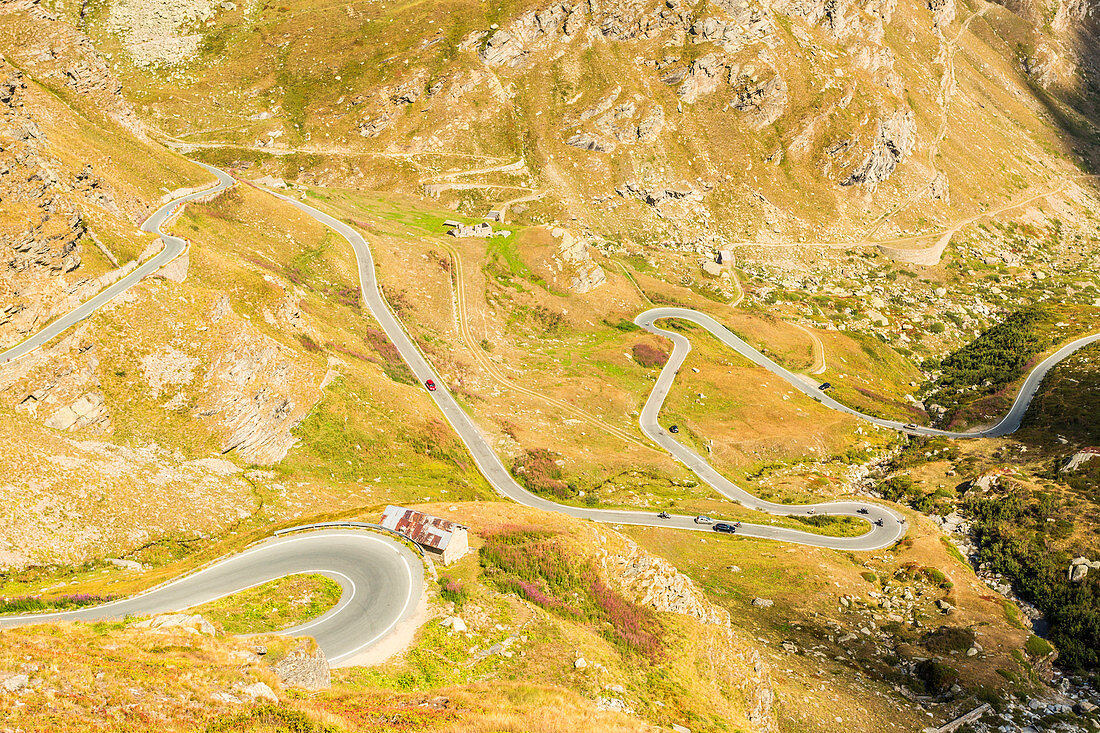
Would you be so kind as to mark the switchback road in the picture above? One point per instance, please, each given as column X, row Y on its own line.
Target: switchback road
column 381, row 580
column 380, row 577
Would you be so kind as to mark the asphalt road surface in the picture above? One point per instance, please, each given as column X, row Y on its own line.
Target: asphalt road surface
column 381, row 578
column 173, row 247
column 1010, row 423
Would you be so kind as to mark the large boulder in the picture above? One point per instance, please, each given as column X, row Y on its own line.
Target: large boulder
column 304, row 669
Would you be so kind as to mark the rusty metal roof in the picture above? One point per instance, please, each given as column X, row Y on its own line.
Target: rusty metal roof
column 423, row 529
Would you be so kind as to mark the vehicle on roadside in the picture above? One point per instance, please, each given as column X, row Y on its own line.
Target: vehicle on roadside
column 673, row 428
column 824, row 386
column 911, row 426
column 723, row 527
column 664, row 515
column 430, row 384
column 809, row 511
column 703, row 519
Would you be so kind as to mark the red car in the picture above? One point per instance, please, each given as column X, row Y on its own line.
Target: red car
column 430, row 384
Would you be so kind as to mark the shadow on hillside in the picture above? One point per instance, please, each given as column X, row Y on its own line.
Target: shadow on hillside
column 1077, row 112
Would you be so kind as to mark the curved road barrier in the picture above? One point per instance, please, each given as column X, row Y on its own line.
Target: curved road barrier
column 381, row 580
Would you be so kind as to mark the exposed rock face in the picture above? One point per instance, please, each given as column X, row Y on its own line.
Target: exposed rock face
column 151, row 29
column 635, row 120
column 588, row 141
column 55, row 52
column 657, row 584
column 656, row 196
column 943, row 12
column 44, row 243
column 764, row 99
column 67, row 393
column 247, row 393
column 702, row 78
column 304, row 669
column 893, row 143
column 573, row 266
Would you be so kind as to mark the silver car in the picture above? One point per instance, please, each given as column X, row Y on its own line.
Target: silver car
column 703, row 519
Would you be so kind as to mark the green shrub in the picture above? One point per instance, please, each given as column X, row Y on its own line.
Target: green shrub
column 1037, row 646
column 947, row 639
column 937, row 677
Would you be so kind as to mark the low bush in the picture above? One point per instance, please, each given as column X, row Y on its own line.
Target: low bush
column 936, row 677
column 539, row 472
column 947, row 639
column 1037, row 646
column 453, row 590
column 649, row 356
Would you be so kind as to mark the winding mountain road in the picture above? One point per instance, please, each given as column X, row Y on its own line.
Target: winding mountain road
column 173, row 248
column 381, row 580
column 380, row 576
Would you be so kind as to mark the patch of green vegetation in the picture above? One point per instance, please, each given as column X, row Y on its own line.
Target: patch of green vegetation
column 834, row 526
column 1013, row 533
column 1036, row 647
column 37, row 604
column 948, row 639
column 273, row 606
column 1000, row 354
column 1012, row 614
column 534, row 565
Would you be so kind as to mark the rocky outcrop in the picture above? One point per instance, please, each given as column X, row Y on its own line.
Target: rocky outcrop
column 747, row 23
column 588, row 141
column 56, row 53
column 943, row 12
column 573, row 266
column 659, row 194
column 702, row 77
column 763, row 99
column 66, row 392
column 633, row 121
column 304, row 669
column 156, row 32
column 255, row 393
column 657, row 584
column 893, row 143
column 1080, row 567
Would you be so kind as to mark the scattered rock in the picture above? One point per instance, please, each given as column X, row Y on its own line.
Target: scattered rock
column 762, row 602
column 194, row 624
column 14, row 682
column 260, row 691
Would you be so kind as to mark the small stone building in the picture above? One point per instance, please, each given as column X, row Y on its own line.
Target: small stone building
column 436, row 536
